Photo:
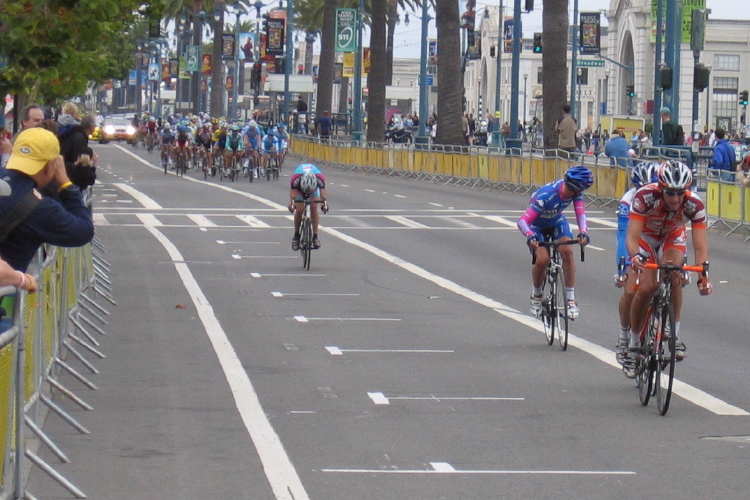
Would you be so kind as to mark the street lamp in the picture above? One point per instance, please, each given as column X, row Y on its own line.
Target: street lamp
column 423, row 96
column 497, row 133
column 579, row 72
column 525, row 99
column 139, row 51
column 288, row 63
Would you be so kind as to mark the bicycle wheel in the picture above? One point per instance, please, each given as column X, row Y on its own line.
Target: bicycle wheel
column 268, row 169
column 276, row 170
column 165, row 162
column 665, row 362
column 306, row 242
column 561, row 310
column 644, row 380
column 548, row 314
column 205, row 167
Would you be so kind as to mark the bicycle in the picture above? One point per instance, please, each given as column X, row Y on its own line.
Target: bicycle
column 181, row 164
column 306, row 232
column 554, row 313
column 205, row 165
column 166, row 159
column 253, row 169
column 655, row 363
column 150, row 140
column 272, row 167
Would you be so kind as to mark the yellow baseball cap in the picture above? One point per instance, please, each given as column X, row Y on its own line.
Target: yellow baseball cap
column 34, row 147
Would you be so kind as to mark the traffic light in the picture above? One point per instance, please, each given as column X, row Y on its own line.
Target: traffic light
column 492, row 51
column 701, row 76
column 743, row 98
column 264, row 26
column 665, row 76
column 630, row 90
column 537, row 43
column 529, row 5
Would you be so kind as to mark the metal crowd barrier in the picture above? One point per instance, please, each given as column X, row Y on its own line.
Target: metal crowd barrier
column 46, row 332
column 522, row 170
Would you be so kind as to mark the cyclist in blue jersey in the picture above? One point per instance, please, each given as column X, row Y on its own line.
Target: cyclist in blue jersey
column 283, row 137
column 252, row 134
column 307, row 182
column 544, row 219
column 641, row 174
column 269, row 146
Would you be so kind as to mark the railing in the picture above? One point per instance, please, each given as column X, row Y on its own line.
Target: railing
column 523, row 169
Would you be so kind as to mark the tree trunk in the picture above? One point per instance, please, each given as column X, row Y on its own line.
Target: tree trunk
column 217, row 82
column 555, row 24
column 376, row 79
column 450, row 86
column 391, row 20
column 327, row 58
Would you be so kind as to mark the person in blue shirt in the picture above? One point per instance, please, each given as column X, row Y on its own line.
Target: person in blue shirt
column 724, row 159
column 269, row 147
column 618, row 150
column 34, row 163
column 544, row 220
column 307, row 182
column 233, row 147
column 283, row 137
column 641, row 174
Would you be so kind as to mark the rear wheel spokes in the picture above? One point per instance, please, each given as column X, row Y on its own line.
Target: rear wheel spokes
column 561, row 309
column 548, row 314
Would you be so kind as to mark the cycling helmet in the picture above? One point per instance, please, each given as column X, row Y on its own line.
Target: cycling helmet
column 181, row 128
column 308, row 183
column 167, row 126
column 644, row 173
column 579, row 178
column 674, row 174
column 235, row 128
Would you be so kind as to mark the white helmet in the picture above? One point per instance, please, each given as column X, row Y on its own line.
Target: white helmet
column 674, row 174
column 167, row 126
column 308, row 183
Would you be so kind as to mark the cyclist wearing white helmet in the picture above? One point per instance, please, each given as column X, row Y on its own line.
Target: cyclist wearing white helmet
column 657, row 232
column 641, row 174
column 307, row 182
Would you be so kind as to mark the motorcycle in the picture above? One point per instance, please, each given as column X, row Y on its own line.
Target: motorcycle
column 399, row 136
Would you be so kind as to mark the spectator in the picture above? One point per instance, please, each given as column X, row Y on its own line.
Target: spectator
column 465, row 128
column 68, row 119
column 618, row 150
column 668, row 128
column 302, row 117
column 323, row 126
column 35, row 162
column 724, row 161
column 566, row 129
column 80, row 159
column 32, row 116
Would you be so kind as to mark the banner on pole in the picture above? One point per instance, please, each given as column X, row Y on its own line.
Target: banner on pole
column 590, row 32
column 346, row 30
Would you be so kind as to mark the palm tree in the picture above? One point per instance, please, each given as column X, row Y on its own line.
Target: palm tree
column 554, row 60
column 376, row 79
column 450, row 92
column 327, row 57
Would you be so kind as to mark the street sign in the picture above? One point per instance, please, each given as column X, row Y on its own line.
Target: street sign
column 429, row 80
column 590, row 63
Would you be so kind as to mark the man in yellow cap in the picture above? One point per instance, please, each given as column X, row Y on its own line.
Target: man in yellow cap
column 66, row 221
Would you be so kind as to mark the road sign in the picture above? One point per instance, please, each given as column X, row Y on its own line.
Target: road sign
column 429, row 80
column 590, row 63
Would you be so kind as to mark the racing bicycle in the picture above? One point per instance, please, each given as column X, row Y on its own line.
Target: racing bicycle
column 554, row 313
column 656, row 358
column 306, row 232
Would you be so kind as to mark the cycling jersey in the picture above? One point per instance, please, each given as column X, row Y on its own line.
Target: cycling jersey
column 252, row 137
column 649, row 207
column 152, row 127
column 167, row 137
column 183, row 139
column 234, row 142
column 270, row 142
column 545, row 212
column 297, row 175
column 623, row 212
column 203, row 140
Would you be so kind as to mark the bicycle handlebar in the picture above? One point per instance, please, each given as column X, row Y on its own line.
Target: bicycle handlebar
column 703, row 268
column 557, row 244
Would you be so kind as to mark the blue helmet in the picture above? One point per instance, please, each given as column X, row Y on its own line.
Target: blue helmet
column 579, row 178
column 644, row 173
column 181, row 128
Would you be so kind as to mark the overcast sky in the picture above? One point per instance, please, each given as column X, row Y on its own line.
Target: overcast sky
column 407, row 39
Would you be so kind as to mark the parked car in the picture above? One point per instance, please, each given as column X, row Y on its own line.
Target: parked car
column 117, row 129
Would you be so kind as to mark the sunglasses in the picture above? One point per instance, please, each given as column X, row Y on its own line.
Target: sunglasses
column 669, row 192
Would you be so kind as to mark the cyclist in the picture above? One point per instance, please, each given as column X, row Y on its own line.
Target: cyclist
column 220, row 139
column 544, row 219
column 252, row 137
column 233, row 147
column 183, row 143
column 269, row 148
column 151, row 130
column 167, row 140
column 307, row 182
column 283, row 137
column 641, row 174
column 203, row 139
column 656, row 231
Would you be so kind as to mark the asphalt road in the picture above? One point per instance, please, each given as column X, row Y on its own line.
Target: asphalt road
column 404, row 365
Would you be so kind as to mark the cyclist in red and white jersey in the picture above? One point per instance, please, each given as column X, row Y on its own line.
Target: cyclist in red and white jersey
column 657, row 232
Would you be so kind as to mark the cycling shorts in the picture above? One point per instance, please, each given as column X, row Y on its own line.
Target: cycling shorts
column 656, row 248
column 553, row 233
column 300, row 197
column 182, row 144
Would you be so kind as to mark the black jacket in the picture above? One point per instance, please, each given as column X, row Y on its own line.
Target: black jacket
column 72, row 145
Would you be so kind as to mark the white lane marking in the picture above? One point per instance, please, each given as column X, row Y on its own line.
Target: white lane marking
column 491, row 472
column 442, row 467
column 337, row 351
column 501, row 220
column 435, row 204
column 149, row 220
column 370, row 190
column 201, row 220
column 603, row 222
column 141, row 198
column 305, row 319
column 120, row 201
column 399, row 196
column 690, row 393
column 378, row 398
column 252, row 221
column 462, row 223
column 381, row 399
column 592, row 247
column 288, row 275
column 100, row 220
column 406, row 222
column 278, row 468
column 288, row 294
